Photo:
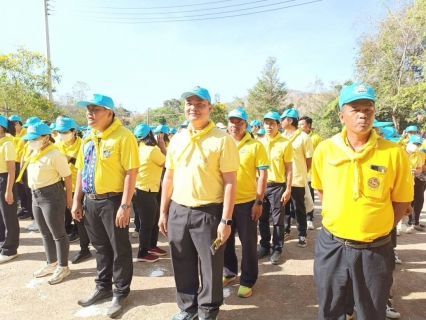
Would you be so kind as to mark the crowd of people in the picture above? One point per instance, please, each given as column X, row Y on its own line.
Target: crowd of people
column 202, row 184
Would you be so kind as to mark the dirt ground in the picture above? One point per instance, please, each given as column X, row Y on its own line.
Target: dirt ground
column 285, row 291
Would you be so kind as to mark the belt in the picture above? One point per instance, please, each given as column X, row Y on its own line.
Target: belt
column 201, row 206
column 275, row 184
column 95, row 196
column 360, row 245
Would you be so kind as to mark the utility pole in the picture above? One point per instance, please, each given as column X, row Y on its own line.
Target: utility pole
column 49, row 65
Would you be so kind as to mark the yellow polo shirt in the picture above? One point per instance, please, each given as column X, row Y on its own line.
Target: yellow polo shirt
column 302, row 150
column 114, row 152
column 149, row 174
column 19, row 144
column 253, row 157
column 316, row 139
column 72, row 151
column 416, row 160
column 279, row 152
column 7, row 153
column 197, row 178
column 371, row 215
column 47, row 170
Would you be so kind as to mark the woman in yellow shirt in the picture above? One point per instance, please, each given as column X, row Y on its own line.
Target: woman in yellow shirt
column 46, row 167
column 147, row 186
column 9, row 224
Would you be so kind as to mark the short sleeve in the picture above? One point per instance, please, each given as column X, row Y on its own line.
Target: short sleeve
column 229, row 157
column 79, row 162
column 288, row 153
column 129, row 152
column 262, row 161
column 317, row 164
column 169, row 157
column 157, row 156
column 308, row 147
column 9, row 151
column 61, row 164
column 402, row 190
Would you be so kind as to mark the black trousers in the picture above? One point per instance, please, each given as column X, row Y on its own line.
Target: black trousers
column 21, row 190
column 77, row 227
column 310, row 215
column 112, row 244
column 9, row 223
column 247, row 232
column 298, row 200
column 272, row 206
column 28, row 194
column 191, row 232
column 343, row 273
column 147, row 211
column 417, row 204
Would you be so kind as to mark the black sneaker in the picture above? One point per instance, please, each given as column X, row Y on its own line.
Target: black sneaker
column 21, row 212
column 302, row 242
column 82, row 255
column 74, row 237
column 275, row 258
column 26, row 216
column 263, row 252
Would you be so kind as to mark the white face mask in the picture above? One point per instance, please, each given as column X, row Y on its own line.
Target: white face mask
column 411, row 147
column 36, row 144
column 65, row 137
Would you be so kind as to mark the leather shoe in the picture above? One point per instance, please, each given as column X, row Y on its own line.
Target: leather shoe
column 117, row 305
column 82, row 255
column 95, row 296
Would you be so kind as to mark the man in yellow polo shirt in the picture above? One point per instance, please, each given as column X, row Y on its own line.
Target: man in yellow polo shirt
column 365, row 187
column 305, row 124
column 198, row 198
column 107, row 170
column 278, row 188
column 303, row 151
column 248, row 204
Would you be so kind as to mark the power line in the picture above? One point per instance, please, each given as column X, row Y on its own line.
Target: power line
column 199, row 15
column 152, row 8
column 172, row 12
column 208, row 18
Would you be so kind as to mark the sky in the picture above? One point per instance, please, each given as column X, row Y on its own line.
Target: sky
column 140, row 65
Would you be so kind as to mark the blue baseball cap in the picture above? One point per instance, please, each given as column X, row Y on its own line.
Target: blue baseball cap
column 172, row 130
column 254, row 123
column 52, row 126
column 162, row 128
column 3, row 122
column 184, row 124
column 261, row 131
column 290, row 113
column 272, row 115
column 141, row 131
column 415, row 138
column 354, row 92
column 152, row 127
column 30, row 121
column 99, row 100
column 411, row 129
column 36, row 130
column 198, row 91
column 15, row 118
column 64, row 124
column 379, row 124
column 248, row 129
column 239, row 113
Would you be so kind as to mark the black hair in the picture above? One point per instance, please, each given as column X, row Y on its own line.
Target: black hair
column 166, row 137
column 16, row 121
column 294, row 121
column 251, row 134
column 307, row 119
column 149, row 140
column 50, row 137
column 10, row 128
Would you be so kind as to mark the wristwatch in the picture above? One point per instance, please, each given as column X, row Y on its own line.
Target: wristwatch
column 227, row 222
column 259, row 202
column 125, row 206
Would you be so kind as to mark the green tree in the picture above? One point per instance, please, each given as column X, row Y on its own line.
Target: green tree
column 67, row 103
column 219, row 113
column 268, row 93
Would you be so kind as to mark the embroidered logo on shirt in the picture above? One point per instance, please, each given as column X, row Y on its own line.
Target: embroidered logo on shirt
column 373, row 183
column 106, row 153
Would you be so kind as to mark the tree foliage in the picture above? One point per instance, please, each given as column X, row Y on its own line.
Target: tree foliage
column 268, row 93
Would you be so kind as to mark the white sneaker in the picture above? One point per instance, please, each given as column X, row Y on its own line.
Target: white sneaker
column 397, row 259
column 349, row 316
column 59, row 275
column 311, row 225
column 390, row 312
column 45, row 270
column 33, row 226
column 398, row 231
column 409, row 230
column 4, row 258
column 135, row 234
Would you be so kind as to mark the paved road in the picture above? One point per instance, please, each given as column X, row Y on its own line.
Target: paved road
column 285, row 291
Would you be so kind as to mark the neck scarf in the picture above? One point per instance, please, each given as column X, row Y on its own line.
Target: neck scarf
column 194, row 137
column 96, row 136
column 352, row 156
column 34, row 158
column 5, row 139
column 294, row 135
